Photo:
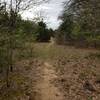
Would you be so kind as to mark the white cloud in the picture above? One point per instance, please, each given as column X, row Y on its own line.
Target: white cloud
column 50, row 11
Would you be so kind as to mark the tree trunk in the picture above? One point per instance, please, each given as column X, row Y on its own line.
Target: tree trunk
column 7, row 77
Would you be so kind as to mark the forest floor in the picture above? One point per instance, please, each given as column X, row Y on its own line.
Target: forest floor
column 56, row 72
column 66, row 73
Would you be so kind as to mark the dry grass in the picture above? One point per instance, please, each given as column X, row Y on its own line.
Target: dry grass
column 75, row 67
column 77, row 70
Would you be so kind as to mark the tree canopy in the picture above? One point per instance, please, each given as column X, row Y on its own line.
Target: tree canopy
column 81, row 19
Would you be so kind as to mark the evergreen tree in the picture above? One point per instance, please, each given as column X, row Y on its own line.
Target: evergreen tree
column 42, row 34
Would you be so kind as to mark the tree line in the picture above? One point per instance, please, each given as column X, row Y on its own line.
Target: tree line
column 80, row 23
column 14, row 34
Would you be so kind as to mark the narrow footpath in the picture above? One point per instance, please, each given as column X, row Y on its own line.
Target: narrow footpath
column 47, row 89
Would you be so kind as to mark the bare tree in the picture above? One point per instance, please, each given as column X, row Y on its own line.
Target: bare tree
column 13, row 7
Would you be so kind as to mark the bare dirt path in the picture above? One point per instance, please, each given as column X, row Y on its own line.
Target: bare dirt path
column 65, row 73
column 47, row 89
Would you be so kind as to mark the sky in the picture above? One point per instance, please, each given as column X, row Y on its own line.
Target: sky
column 49, row 11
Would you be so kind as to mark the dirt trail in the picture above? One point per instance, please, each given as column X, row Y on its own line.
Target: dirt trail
column 47, row 89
